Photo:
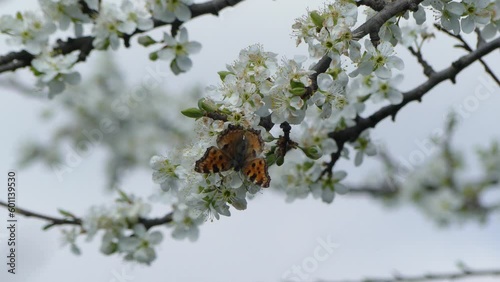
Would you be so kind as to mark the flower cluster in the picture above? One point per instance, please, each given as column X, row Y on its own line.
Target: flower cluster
column 429, row 188
column 29, row 29
column 467, row 15
column 56, row 71
column 114, row 21
column 170, row 10
column 122, row 231
column 258, row 86
column 256, row 92
column 109, row 22
column 65, row 12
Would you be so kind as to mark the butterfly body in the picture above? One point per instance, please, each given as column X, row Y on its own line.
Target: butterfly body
column 237, row 149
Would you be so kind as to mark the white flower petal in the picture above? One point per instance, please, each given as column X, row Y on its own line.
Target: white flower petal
column 183, row 13
column 328, row 195
column 341, row 189
column 184, row 63
column 325, row 81
column 166, row 54
column 193, row 47
column 155, row 237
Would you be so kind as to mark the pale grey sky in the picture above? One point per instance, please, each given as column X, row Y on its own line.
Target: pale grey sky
column 266, row 240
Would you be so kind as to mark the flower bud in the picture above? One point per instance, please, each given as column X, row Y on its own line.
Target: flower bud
column 153, row 56
column 280, row 160
column 208, row 106
column 313, row 152
column 146, row 40
column 109, row 249
column 298, row 91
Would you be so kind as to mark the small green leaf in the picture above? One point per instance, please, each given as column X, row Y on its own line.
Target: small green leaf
column 271, row 159
column 35, row 71
column 193, row 113
column 313, row 152
column 317, row 19
column 223, row 74
column 123, row 196
column 66, row 213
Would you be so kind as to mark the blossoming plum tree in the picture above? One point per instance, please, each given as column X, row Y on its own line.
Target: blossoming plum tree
column 307, row 116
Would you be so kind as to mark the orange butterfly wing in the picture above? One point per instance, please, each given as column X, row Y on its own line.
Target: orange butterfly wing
column 256, row 171
column 238, row 148
column 254, row 143
column 214, row 160
column 229, row 140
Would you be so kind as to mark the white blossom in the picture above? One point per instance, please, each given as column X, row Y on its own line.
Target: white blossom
column 327, row 187
column 379, row 60
column 69, row 237
column 185, row 223
column 451, row 14
column 56, row 71
column 331, row 93
column 140, row 245
column 476, row 13
column 166, row 173
column 106, row 28
column 169, row 10
column 64, row 12
column 386, row 89
column 363, row 146
column 178, row 50
column 29, row 30
column 135, row 17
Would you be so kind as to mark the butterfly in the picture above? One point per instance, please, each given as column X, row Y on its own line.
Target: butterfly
column 238, row 149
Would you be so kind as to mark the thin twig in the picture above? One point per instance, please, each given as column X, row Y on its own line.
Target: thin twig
column 467, row 47
column 466, row 273
column 383, row 191
column 53, row 221
column 428, row 70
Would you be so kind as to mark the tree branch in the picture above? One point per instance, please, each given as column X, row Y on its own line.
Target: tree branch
column 467, row 47
column 465, row 273
column 350, row 134
column 371, row 26
column 148, row 223
column 15, row 60
column 390, row 10
column 53, row 221
column 428, row 71
column 377, row 192
column 376, row 5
